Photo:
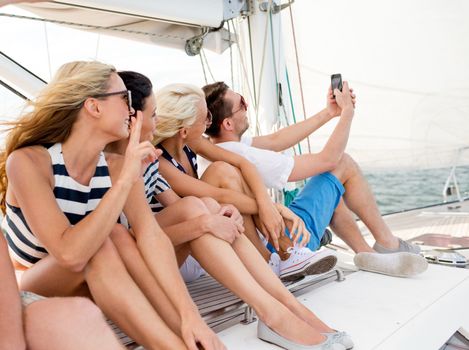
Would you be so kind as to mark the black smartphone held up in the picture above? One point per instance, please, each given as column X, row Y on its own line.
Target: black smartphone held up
column 336, row 82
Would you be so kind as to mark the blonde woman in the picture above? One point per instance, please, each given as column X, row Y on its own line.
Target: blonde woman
column 230, row 179
column 61, row 206
column 236, row 264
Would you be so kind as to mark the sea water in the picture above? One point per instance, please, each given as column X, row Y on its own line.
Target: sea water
column 399, row 190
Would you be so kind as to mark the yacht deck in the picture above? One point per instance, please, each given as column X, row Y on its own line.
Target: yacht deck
column 382, row 312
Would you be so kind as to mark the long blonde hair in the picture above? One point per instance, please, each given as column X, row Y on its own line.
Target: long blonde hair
column 176, row 108
column 50, row 117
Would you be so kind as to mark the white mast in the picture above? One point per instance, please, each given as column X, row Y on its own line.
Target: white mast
column 263, row 37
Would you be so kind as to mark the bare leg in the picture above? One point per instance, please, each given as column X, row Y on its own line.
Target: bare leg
column 360, row 200
column 110, row 285
column 219, row 259
column 223, row 175
column 67, row 323
column 344, row 225
column 143, row 277
column 267, row 279
column 231, row 272
column 112, row 289
column 49, row 279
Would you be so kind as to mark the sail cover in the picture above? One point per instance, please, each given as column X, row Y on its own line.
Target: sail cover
column 166, row 23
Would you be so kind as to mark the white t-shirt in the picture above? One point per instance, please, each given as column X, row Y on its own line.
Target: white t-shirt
column 274, row 167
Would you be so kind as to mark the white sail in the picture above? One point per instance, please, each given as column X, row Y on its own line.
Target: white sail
column 408, row 63
column 406, row 60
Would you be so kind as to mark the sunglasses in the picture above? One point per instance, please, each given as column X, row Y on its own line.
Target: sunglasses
column 126, row 94
column 243, row 105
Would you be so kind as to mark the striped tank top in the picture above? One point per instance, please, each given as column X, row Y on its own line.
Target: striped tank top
column 155, row 184
column 74, row 199
column 191, row 156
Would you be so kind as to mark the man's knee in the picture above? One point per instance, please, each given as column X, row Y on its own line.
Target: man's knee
column 348, row 162
column 345, row 168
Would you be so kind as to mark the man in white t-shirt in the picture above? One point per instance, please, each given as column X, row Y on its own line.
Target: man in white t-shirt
column 336, row 186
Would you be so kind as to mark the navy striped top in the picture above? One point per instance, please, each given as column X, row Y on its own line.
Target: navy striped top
column 155, row 184
column 75, row 200
column 190, row 155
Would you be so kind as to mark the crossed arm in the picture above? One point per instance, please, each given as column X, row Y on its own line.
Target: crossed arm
column 250, row 174
column 271, row 221
column 31, row 179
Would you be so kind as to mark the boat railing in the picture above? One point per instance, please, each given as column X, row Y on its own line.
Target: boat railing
column 451, row 188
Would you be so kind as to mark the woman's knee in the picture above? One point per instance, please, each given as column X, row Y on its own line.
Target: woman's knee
column 192, row 207
column 120, row 235
column 223, row 174
column 221, row 168
column 106, row 259
column 211, row 204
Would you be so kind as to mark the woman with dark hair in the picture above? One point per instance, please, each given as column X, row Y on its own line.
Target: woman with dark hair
column 63, row 202
column 225, row 253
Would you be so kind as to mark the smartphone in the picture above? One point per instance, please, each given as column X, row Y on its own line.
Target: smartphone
column 336, row 82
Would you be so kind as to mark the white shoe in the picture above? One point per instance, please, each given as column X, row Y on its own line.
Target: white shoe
column 400, row 264
column 266, row 334
column 341, row 338
column 274, row 263
column 304, row 262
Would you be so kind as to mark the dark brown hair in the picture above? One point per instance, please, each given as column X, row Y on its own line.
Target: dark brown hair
column 217, row 105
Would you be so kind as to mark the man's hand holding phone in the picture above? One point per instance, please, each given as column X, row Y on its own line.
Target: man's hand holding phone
column 334, row 106
column 345, row 101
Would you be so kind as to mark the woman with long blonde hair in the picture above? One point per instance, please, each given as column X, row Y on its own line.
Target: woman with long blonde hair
column 181, row 120
column 62, row 201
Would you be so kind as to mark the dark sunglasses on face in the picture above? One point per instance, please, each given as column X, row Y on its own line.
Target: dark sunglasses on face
column 242, row 105
column 126, row 94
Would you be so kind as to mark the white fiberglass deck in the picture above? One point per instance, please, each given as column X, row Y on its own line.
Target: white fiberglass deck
column 383, row 312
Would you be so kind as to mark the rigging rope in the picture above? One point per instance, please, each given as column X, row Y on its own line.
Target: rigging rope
column 261, row 71
column 275, row 66
column 231, row 53
column 299, row 72
column 202, row 52
column 87, row 26
column 292, row 108
column 47, row 50
column 98, row 42
column 253, row 77
column 203, row 69
column 243, row 65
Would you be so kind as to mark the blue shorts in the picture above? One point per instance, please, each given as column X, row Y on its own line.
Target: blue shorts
column 316, row 203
